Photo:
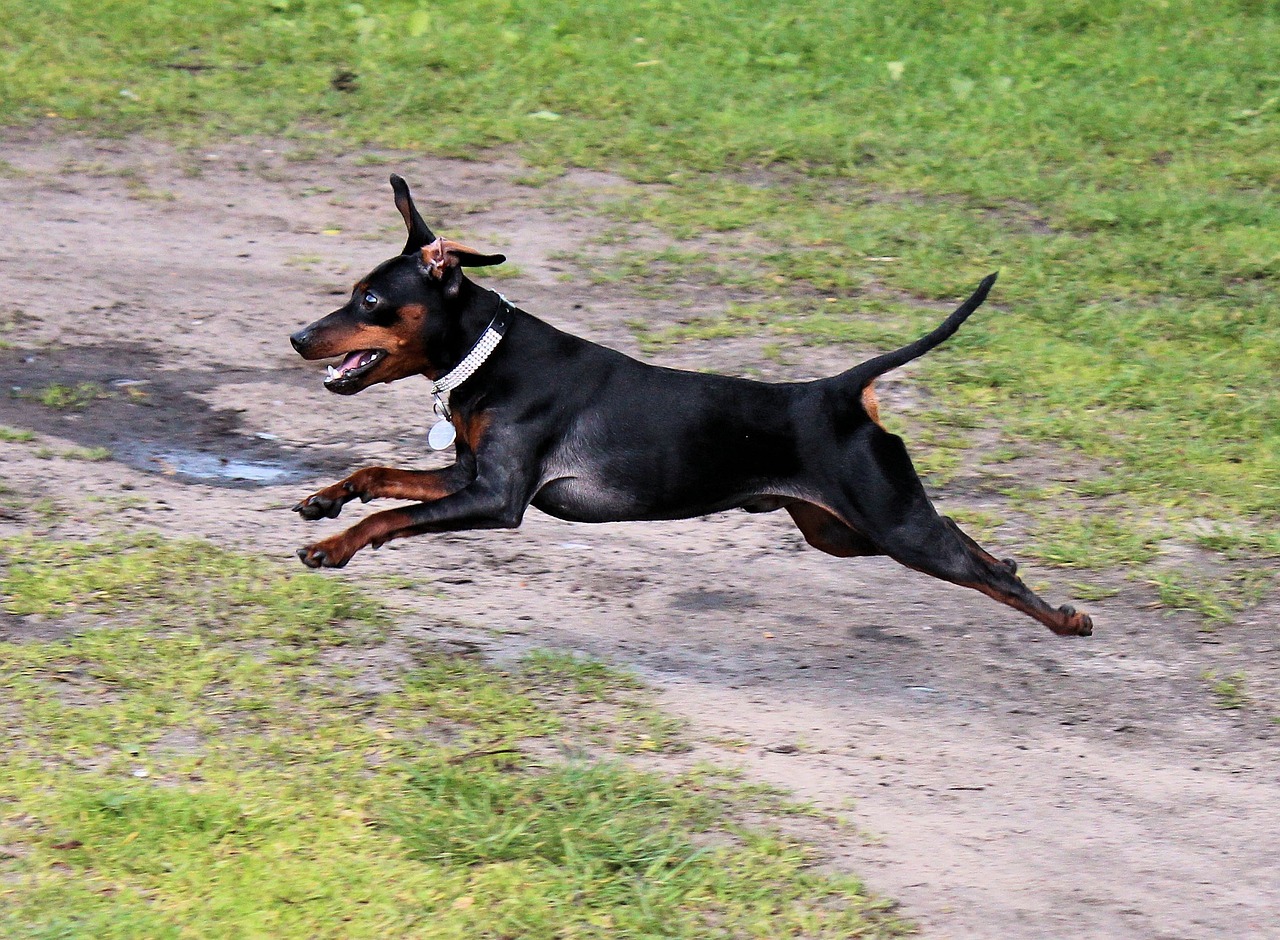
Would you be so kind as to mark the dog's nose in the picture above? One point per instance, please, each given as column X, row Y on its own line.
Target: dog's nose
column 300, row 339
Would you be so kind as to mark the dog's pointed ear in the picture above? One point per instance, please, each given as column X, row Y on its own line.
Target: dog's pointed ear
column 444, row 261
column 419, row 234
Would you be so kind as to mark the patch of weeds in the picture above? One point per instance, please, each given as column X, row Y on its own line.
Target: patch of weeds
column 99, row 168
column 654, row 273
column 1179, row 591
column 938, row 451
column 1217, row 600
column 1241, row 542
column 1091, row 592
column 732, row 781
column 728, row 743
column 979, row 523
column 616, row 852
column 1091, row 541
column 1253, row 584
column 70, row 397
column 631, row 723
column 537, row 177
column 1228, row 691
column 644, row 728
column 91, row 454
column 305, row 154
column 139, row 190
column 305, row 262
column 16, row 435
column 965, row 418
column 504, row 272
column 47, row 510
column 586, row 677
column 938, row 465
column 1004, row 454
column 736, row 320
column 400, row 582
column 188, row 582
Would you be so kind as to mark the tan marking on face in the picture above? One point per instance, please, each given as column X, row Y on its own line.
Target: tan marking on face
column 405, row 335
column 402, row 341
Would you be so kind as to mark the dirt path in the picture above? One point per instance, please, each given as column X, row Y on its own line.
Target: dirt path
column 1000, row 782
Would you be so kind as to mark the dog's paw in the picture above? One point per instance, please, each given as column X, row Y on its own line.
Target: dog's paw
column 1074, row 623
column 321, row 556
column 326, row 504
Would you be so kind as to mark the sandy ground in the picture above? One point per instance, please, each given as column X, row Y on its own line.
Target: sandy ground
column 1000, row 782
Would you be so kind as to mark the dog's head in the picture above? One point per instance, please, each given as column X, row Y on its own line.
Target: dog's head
column 402, row 311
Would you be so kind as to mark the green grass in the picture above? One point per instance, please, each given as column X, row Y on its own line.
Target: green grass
column 1228, row 691
column 90, row 454
column 203, row 755
column 1101, row 541
column 16, row 435
column 69, row 397
column 1215, row 600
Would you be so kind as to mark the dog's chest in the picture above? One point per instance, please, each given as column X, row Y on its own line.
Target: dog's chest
column 579, row 499
column 587, row 479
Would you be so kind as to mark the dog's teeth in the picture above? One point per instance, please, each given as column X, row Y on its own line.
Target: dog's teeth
column 332, row 372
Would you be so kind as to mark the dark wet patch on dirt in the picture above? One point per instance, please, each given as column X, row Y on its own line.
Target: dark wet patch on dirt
column 702, row 599
column 881, row 634
column 118, row 397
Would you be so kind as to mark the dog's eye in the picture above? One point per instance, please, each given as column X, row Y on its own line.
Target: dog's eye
column 370, row 300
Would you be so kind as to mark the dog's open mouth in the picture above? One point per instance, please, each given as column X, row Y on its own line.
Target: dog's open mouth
column 356, row 365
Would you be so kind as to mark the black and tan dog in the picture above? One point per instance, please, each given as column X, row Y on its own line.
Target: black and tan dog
column 585, row 433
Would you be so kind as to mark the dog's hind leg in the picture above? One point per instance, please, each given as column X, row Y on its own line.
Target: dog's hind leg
column 939, row 549
column 964, row 536
column 889, row 505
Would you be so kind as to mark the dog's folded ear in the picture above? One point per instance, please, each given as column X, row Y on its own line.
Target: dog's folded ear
column 419, row 233
column 463, row 256
column 443, row 260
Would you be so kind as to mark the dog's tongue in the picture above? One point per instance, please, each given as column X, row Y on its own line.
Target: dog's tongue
column 354, row 360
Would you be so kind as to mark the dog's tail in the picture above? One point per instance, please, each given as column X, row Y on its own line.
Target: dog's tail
column 857, row 379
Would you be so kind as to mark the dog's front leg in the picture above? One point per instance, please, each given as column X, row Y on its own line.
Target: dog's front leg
column 383, row 483
column 482, row 505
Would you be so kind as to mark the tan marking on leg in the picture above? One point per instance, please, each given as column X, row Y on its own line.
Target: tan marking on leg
column 828, row 533
column 373, row 530
column 871, row 404
column 423, row 486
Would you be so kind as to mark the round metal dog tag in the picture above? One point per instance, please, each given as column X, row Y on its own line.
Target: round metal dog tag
column 441, row 435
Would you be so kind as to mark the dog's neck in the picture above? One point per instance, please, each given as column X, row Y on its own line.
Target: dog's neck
column 480, row 350
column 479, row 326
